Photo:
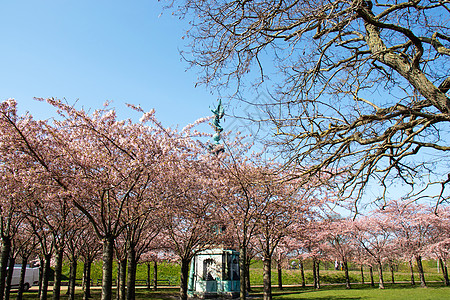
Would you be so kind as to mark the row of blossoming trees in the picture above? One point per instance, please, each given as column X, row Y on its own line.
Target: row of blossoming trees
column 85, row 186
column 399, row 232
column 82, row 180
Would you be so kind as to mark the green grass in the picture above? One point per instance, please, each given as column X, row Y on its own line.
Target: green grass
column 331, row 283
column 141, row 294
column 398, row 291
column 334, row 292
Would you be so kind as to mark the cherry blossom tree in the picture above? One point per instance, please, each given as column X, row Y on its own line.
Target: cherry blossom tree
column 28, row 141
column 312, row 244
column 75, row 242
column 11, row 218
column 27, row 245
column 16, row 173
column 156, row 255
column 54, row 213
column 360, row 258
column 90, row 249
column 191, row 224
column 102, row 166
column 280, row 258
column 439, row 243
column 374, row 235
column 258, row 202
column 51, row 217
column 108, row 174
column 294, row 251
column 46, row 246
column 145, row 227
column 239, row 204
column 338, row 236
column 95, row 160
column 283, row 208
column 412, row 227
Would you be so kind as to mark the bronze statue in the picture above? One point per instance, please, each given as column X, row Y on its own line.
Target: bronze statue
column 219, row 112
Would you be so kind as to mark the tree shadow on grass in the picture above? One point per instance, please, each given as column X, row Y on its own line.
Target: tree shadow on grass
column 286, row 297
column 323, row 298
column 163, row 294
column 295, row 294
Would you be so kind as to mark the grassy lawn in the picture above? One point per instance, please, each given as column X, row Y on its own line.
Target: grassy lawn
column 141, row 294
column 334, row 292
column 331, row 284
column 397, row 291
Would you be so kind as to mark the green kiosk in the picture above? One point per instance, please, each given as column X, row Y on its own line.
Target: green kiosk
column 214, row 274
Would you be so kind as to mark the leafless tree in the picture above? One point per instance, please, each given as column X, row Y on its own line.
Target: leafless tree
column 360, row 86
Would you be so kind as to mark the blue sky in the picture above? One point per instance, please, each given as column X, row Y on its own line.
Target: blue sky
column 95, row 51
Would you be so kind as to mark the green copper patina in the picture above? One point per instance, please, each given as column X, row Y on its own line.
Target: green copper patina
column 219, row 112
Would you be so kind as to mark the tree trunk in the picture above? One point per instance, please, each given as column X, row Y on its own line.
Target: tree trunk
column 247, row 274
column 121, row 279
column 70, row 280
column 347, row 277
column 72, row 277
column 148, row 275
column 242, row 271
column 380, row 274
column 444, row 272
column 6, row 250
column 391, row 267
column 41, row 276
column 9, row 277
column 87, row 279
column 184, row 278
column 131, row 282
column 302, row 273
column 414, row 75
column 421, row 272
column 314, row 273
column 45, row 276
column 57, row 278
column 280, row 279
column 362, row 274
column 267, row 278
column 107, row 258
column 372, row 283
column 23, row 271
column 413, row 282
column 155, row 275
column 317, row 274
column 447, row 283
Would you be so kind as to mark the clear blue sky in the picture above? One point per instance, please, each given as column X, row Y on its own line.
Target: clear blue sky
column 94, row 51
column 99, row 50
